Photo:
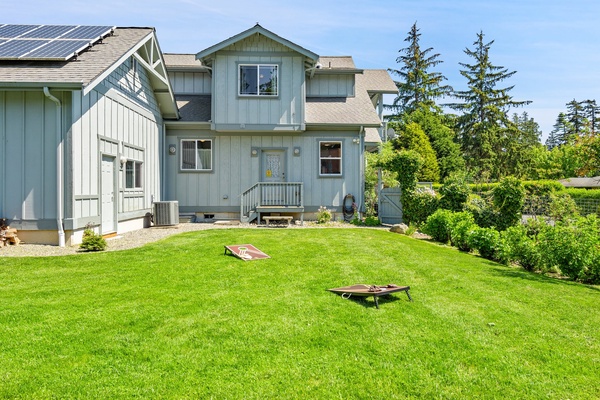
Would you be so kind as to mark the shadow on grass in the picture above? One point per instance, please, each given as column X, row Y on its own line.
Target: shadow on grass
column 369, row 302
column 515, row 272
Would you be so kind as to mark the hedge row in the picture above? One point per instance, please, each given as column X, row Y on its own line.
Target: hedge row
column 570, row 246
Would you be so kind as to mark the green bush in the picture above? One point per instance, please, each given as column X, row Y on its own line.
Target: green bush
column 323, row 215
column 419, row 204
column 372, row 221
column 562, row 207
column 92, row 241
column 461, row 225
column 438, row 225
column 572, row 246
column 486, row 241
column 542, row 188
column 509, row 197
column 521, row 248
column 482, row 210
column 583, row 193
column 454, row 194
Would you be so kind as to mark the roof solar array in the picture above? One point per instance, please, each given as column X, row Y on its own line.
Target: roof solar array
column 48, row 42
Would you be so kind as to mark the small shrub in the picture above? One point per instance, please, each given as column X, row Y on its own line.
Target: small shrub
column 562, row 207
column 509, row 197
column 482, row 210
column 372, row 221
column 486, row 241
column 461, row 225
column 438, row 225
column 454, row 194
column 418, row 205
column 521, row 248
column 323, row 215
column 92, row 241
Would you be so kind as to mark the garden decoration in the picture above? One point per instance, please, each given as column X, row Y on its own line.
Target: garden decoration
column 245, row 252
column 370, row 290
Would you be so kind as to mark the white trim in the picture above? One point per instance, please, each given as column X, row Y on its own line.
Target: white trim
column 341, row 157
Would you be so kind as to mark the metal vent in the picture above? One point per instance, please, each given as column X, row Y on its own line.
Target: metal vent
column 166, row 213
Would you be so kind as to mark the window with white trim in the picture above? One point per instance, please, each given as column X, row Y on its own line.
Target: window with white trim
column 258, row 80
column 133, row 174
column 196, row 155
column 330, row 158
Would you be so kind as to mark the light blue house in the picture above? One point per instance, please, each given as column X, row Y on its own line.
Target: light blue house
column 269, row 127
column 251, row 126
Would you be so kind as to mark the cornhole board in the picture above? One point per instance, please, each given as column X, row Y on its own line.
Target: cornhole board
column 370, row 290
column 246, row 252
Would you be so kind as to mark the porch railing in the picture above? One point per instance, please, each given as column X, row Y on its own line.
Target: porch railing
column 271, row 194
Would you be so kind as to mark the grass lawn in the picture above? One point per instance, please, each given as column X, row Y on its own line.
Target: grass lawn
column 178, row 319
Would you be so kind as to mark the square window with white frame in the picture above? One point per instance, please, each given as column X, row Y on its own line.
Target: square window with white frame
column 196, row 154
column 258, row 80
column 330, row 158
column 133, row 174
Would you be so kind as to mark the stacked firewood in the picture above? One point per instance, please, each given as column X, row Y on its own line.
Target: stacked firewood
column 8, row 235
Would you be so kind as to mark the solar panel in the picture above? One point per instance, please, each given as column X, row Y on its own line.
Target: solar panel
column 48, row 42
column 13, row 31
column 49, row 31
column 88, row 32
column 58, row 50
column 13, row 49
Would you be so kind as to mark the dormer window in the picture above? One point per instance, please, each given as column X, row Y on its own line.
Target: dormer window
column 258, row 80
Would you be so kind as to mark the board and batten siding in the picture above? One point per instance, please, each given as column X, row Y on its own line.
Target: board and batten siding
column 107, row 121
column 191, row 83
column 28, row 143
column 233, row 112
column 235, row 170
column 331, row 86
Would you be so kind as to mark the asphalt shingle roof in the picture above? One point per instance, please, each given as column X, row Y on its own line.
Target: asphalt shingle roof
column 194, row 108
column 82, row 70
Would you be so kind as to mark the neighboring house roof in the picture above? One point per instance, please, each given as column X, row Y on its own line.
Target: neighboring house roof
column 379, row 81
column 93, row 65
column 593, row 182
column 187, row 62
column 256, row 29
column 372, row 135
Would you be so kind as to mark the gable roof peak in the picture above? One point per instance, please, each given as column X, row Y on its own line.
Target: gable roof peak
column 249, row 32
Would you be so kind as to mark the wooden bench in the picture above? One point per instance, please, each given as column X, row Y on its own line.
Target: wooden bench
column 270, row 218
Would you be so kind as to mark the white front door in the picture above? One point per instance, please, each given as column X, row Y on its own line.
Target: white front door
column 273, row 166
column 108, row 195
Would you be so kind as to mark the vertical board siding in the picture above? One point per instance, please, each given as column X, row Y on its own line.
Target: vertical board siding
column 190, row 82
column 28, row 143
column 235, row 170
column 330, row 86
column 285, row 109
column 106, row 123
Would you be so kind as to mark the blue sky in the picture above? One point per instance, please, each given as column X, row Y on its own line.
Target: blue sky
column 552, row 44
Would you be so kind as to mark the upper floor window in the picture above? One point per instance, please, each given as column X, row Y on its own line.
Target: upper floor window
column 133, row 175
column 196, row 155
column 258, row 80
column 330, row 158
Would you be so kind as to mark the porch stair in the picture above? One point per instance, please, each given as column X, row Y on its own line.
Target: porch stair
column 271, row 197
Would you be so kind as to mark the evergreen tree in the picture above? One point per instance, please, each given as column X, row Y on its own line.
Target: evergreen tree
column 417, row 85
column 551, row 141
column 576, row 117
column 441, row 136
column 517, row 155
column 484, row 121
column 412, row 137
column 591, row 113
column 560, row 131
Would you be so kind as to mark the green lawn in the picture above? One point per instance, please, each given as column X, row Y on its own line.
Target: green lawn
column 178, row 319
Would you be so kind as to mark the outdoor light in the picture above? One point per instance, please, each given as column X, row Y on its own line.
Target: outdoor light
column 172, row 149
column 254, row 152
column 296, row 151
column 356, row 140
column 123, row 161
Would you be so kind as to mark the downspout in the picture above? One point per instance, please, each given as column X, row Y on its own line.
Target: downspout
column 361, row 198
column 59, row 168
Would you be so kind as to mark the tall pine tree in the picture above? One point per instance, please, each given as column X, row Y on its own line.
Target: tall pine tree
column 484, row 122
column 418, row 85
column 560, row 132
column 576, row 117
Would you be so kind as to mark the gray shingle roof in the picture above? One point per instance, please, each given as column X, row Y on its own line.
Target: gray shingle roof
column 194, row 108
column 78, row 72
column 337, row 62
column 379, row 81
column 372, row 135
column 593, row 182
column 187, row 61
column 358, row 110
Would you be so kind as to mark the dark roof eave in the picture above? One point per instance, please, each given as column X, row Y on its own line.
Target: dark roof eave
column 41, row 85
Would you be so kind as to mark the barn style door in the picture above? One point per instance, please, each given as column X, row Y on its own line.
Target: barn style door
column 390, row 206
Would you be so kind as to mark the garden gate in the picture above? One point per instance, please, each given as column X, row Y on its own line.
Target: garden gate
column 390, row 206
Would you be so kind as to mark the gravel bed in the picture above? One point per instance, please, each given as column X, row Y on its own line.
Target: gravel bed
column 140, row 237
